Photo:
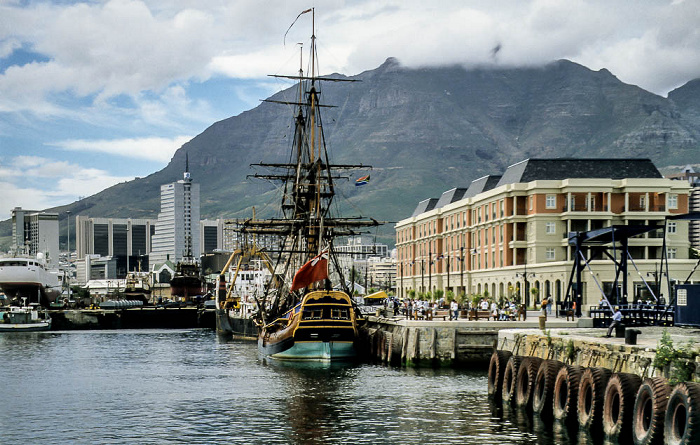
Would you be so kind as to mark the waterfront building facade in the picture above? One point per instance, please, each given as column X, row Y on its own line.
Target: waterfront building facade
column 35, row 232
column 505, row 235
column 693, row 178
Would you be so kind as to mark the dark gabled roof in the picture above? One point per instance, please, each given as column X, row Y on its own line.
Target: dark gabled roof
column 481, row 185
column 450, row 196
column 425, row 205
column 566, row 168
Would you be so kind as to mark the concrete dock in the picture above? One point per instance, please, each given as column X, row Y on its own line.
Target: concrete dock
column 400, row 341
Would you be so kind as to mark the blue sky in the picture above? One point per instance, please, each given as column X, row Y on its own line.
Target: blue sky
column 97, row 92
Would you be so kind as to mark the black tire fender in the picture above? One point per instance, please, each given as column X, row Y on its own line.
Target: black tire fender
column 591, row 398
column 497, row 366
column 565, row 395
column 682, row 420
column 526, row 381
column 543, row 390
column 510, row 374
column 649, row 411
column 620, row 394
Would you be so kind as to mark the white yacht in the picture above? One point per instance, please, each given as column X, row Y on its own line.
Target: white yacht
column 29, row 278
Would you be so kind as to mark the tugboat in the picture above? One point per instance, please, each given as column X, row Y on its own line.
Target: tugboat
column 25, row 318
column 302, row 316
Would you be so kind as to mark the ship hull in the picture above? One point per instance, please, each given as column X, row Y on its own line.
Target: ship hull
column 28, row 278
column 26, row 327
column 239, row 327
column 320, row 328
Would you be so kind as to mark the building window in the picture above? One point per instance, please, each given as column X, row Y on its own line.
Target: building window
column 671, row 228
column 671, row 253
column 591, row 203
column 550, row 228
column 551, row 202
column 642, row 202
column 532, row 202
column 672, row 201
column 572, row 203
column 502, row 208
column 549, row 253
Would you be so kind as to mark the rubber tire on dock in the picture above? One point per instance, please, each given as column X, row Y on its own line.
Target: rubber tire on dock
column 497, row 366
column 649, row 412
column 543, row 391
column 591, row 398
column 682, row 420
column 620, row 394
column 566, row 393
column 510, row 374
column 525, row 382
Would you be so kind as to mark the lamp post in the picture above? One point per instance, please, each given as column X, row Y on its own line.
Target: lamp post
column 525, row 276
column 422, row 275
column 430, row 271
column 461, row 269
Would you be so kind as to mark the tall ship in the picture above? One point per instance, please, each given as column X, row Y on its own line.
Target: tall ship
column 29, row 278
column 306, row 311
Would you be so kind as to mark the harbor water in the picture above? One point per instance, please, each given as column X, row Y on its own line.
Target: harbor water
column 190, row 386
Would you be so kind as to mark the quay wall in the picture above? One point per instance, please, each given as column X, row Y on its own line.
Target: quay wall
column 588, row 348
column 437, row 343
column 133, row 318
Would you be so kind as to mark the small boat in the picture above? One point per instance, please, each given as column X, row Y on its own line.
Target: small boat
column 24, row 319
column 301, row 316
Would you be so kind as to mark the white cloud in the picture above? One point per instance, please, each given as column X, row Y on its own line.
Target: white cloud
column 46, row 182
column 153, row 148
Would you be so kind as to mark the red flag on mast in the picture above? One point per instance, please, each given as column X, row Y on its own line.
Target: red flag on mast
column 314, row 270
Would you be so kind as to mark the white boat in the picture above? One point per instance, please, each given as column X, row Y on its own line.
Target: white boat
column 24, row 319
column 29, row 278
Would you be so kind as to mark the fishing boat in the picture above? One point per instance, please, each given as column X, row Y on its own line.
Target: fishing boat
column 303, row 316
column 24, row 319
column 30, row 278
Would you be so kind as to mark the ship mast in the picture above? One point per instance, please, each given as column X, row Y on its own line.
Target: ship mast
column 306, row 223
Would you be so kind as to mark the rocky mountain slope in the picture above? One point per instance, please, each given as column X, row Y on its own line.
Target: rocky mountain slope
column 425, row 131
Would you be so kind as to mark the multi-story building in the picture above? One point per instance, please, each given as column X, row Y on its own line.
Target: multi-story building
column 693, row 178
column 177, row 236
column 126, row 240
column 211, row 232
column 35, row 232
column 362, row 247
column 505, row 234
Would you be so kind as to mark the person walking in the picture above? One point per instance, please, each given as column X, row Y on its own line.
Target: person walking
column 616, row 321
column 454, row 310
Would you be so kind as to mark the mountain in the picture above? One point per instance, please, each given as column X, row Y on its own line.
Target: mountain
column 425, row 131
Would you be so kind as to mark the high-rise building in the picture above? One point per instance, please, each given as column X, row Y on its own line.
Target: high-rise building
column 35, row 232
column 177, row 230
column 118, row 238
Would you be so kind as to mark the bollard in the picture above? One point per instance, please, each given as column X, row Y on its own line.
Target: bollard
column 620, row 331
column 543, row 319
column 631, row 336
